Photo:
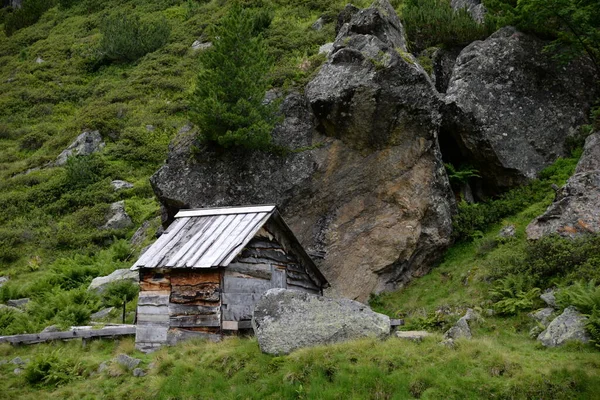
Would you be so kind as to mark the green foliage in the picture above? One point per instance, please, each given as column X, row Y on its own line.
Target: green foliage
column 118, row 292
column 53, row 368
column 472, row 219
column 513, row 294
column 227, row 104
column 128, row 37
column 27, row 15
column 460, row 176
column 433, row 22
column 83, row 171
column 574, row 25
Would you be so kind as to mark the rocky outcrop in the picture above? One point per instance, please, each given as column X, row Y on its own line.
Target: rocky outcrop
column 117, row 217
column 100, row 284
column 511, row 106
column 286, row 320
column 569, row 326
column 87, row 143
column 576, row 209
column 443, row 60
column 474, row 7
column 365, row 191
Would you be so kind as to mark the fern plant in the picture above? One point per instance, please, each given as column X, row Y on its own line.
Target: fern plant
column 513, row 294
column 586, row 297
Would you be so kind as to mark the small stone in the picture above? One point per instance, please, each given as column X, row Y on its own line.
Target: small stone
column 39, row 60
column 101, row 314
column 117, row 217
column 415, row 336
column 18, row 303
column 120, row 185
column 461, row 328
column 508, row 231
column 549, row 298
column 3, row 280
column 449, row 342
column 138, row 373
column 51, row 328
column 128, row 362
column 102, row 367
column 326, row 49
column 17, row 361
column 318, row 24
column 489, row 312
column 85, row 144
column 543, row 316
column 17, row 371
column 198, row 45
column 150, row 128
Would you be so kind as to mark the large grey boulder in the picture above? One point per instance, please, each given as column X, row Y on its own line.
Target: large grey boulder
column 286, row 320
column 99, row 284
column 543, row 316
column 117, row 217
column 87, row 143
column 474, row 7
column 511, row 106
column 365, row 190
column 569, row 326
column 576, row 208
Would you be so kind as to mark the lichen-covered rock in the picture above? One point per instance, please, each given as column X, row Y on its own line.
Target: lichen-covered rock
column 461, row 328
column 549, row 298
column 543, row 316
column 126, row 361
column 117, row 217
column 286, row 320
column 511, row 106
column 474, row 7
column 569, row 326
column 99, row 284
column 87, row 143
column 576, row 208
column 368, row 195
column 443, row 60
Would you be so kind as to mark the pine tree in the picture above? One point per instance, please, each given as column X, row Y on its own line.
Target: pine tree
column 227, row 104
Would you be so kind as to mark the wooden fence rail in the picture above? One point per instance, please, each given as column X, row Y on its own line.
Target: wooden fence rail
column 31, row 338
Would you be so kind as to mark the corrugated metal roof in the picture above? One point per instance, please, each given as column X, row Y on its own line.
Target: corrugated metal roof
column 205, row 238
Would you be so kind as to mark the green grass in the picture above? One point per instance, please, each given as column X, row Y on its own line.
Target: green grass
column 495, row 366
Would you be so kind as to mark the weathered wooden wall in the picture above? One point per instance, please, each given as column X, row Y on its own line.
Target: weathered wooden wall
column 263, row 264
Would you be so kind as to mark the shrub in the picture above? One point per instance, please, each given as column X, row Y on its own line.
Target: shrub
column 83, row 171
column 29, row 13
column 128, row 37
column 433, row 22
column 51, row 369
column 227, row 104
column 514, row 293
column 118, row 292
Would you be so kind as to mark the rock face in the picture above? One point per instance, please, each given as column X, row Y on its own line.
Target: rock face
column 474, row 7
column 370, row 198
column 576, row 209
column 85, row 144
column 99, row 284
column 443, row 60
column 286, row 320
column 569, row 326
column 510, row 106
column 117, row 217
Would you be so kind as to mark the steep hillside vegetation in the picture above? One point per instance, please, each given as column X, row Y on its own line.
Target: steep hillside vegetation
column 74, row 66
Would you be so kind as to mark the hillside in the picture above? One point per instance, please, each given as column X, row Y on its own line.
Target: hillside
column 71, row 67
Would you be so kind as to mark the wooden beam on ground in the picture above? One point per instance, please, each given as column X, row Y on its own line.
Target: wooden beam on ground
column 32, row 338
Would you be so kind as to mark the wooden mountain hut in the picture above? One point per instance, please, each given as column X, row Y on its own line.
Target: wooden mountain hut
column 204, row 274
